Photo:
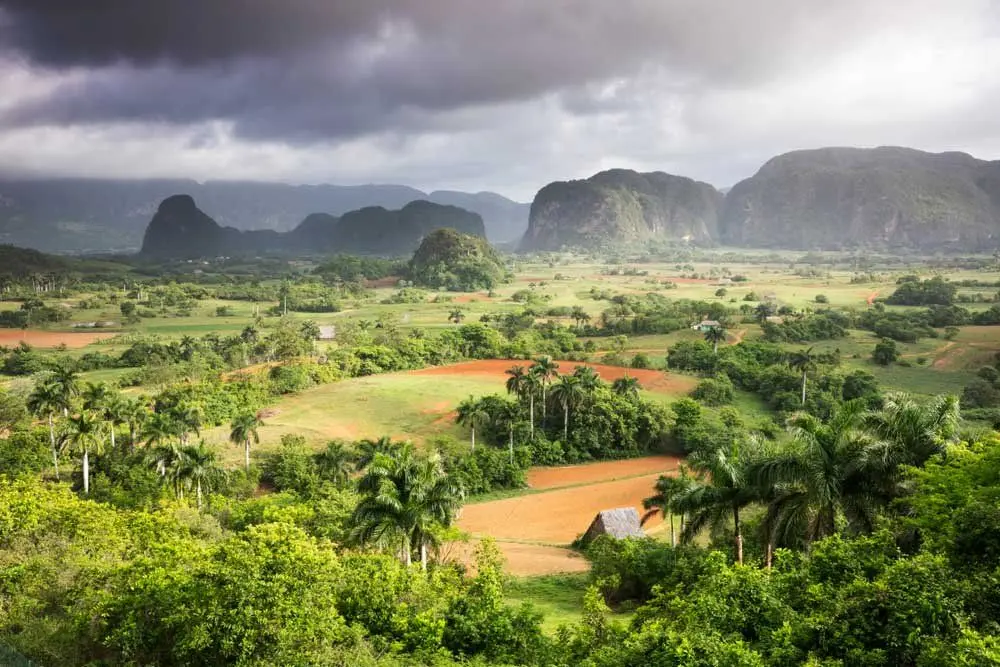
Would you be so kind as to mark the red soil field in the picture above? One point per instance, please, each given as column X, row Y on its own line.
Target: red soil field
column 650, row 380
column 555, row 517
column 605, row 471
column 476, row 296
column 39, row 338
column 871, row 297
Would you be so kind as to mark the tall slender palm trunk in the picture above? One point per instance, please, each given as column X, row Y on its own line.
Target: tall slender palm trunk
column 423, row 555
column 199, row 495
column 738, row 529
column 86, row 471
column 246, row 453
column 511, row 443
column 531, row 412
column 673, row 533
column 803, row 387
column 566, row 422
column 55, row 452
column 473, row 438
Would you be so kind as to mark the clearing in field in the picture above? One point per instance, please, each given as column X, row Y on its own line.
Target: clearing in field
column 651, row 380
column 42, row 338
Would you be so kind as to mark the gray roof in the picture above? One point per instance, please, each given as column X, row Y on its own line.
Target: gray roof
column 618, row 523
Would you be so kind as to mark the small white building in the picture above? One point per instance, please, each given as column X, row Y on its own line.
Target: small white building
column 327, row 332
column 705, row 325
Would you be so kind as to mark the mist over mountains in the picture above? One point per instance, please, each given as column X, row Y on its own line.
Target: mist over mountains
column 83, row 215
column 824, row 198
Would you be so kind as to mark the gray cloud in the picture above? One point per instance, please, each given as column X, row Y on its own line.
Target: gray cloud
column 514, row 91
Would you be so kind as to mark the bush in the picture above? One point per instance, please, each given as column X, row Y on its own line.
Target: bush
column 714, row 391
column 980, row 394
column 821, row 298
column 641, row 360
column 885, row 352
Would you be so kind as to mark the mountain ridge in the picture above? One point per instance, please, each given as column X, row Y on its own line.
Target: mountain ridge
column 825, row 198
column 181, row 230
column 102, row 215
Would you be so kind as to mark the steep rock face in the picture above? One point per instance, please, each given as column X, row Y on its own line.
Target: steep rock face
column 505, row 220
column 180, row 230
column 848, row 197
column 621, row 206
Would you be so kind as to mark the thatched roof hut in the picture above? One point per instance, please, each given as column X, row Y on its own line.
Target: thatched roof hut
column 617, row 523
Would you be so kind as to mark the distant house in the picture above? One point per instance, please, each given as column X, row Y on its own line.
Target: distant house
column 771, row 296
column 617, row 523
column 327, row 332
column 705, row 325
column 725, row 282
column 775, row 319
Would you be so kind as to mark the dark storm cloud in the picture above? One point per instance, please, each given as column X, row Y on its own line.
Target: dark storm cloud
column 308, row 69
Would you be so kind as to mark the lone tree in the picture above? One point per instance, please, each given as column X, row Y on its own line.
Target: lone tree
column 885, row 352
column 804, row 362
column 715, row 335
column 471, row 413
column 243, row 429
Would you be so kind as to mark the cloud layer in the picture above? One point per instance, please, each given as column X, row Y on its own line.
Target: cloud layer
column 505, row 95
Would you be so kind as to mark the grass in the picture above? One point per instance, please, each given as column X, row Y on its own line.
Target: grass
column 402, row 405
column 558, row 596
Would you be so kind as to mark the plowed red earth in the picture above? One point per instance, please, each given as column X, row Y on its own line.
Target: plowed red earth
column 588, row 473
column 39, row 338
column 650, row 380
column 555, row 517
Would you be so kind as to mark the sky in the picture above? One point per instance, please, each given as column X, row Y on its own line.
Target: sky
column 502, row 95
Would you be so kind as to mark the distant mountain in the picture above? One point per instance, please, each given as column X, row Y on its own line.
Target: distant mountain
column 83, row 215
column 505, row 220
column 180, row 230
column 826, row 198
column 881, row 197
column 621, row 205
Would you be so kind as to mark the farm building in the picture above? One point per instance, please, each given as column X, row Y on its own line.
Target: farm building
column 327, row 332
column 617, row 523
column 705, row 325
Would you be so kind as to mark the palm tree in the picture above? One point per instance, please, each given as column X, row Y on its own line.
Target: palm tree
column 134, row 414
column 589, row 378
column 805, row 362
column 46, row 401
column 471, row 413
column 456, row 316
column 715, row 335
column 85, row 436
column 335, row 463
column 158, row 428
column 368, row 450
column 667, row 489
column 626, row 386
column 545, row 371
column 829, row 471
column 911, row 432
column 404, row 500
column 165, row 458
column 521, row 384
column 187, row 418
column 508, row 415
column 68, row 387
column 569, row 392
column 722, row 490
column 197, row 467
column 244, row 428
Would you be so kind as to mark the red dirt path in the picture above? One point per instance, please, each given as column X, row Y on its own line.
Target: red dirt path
column 650, row 380
column 39, row 338
column 872, row 297
column 559, row 476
